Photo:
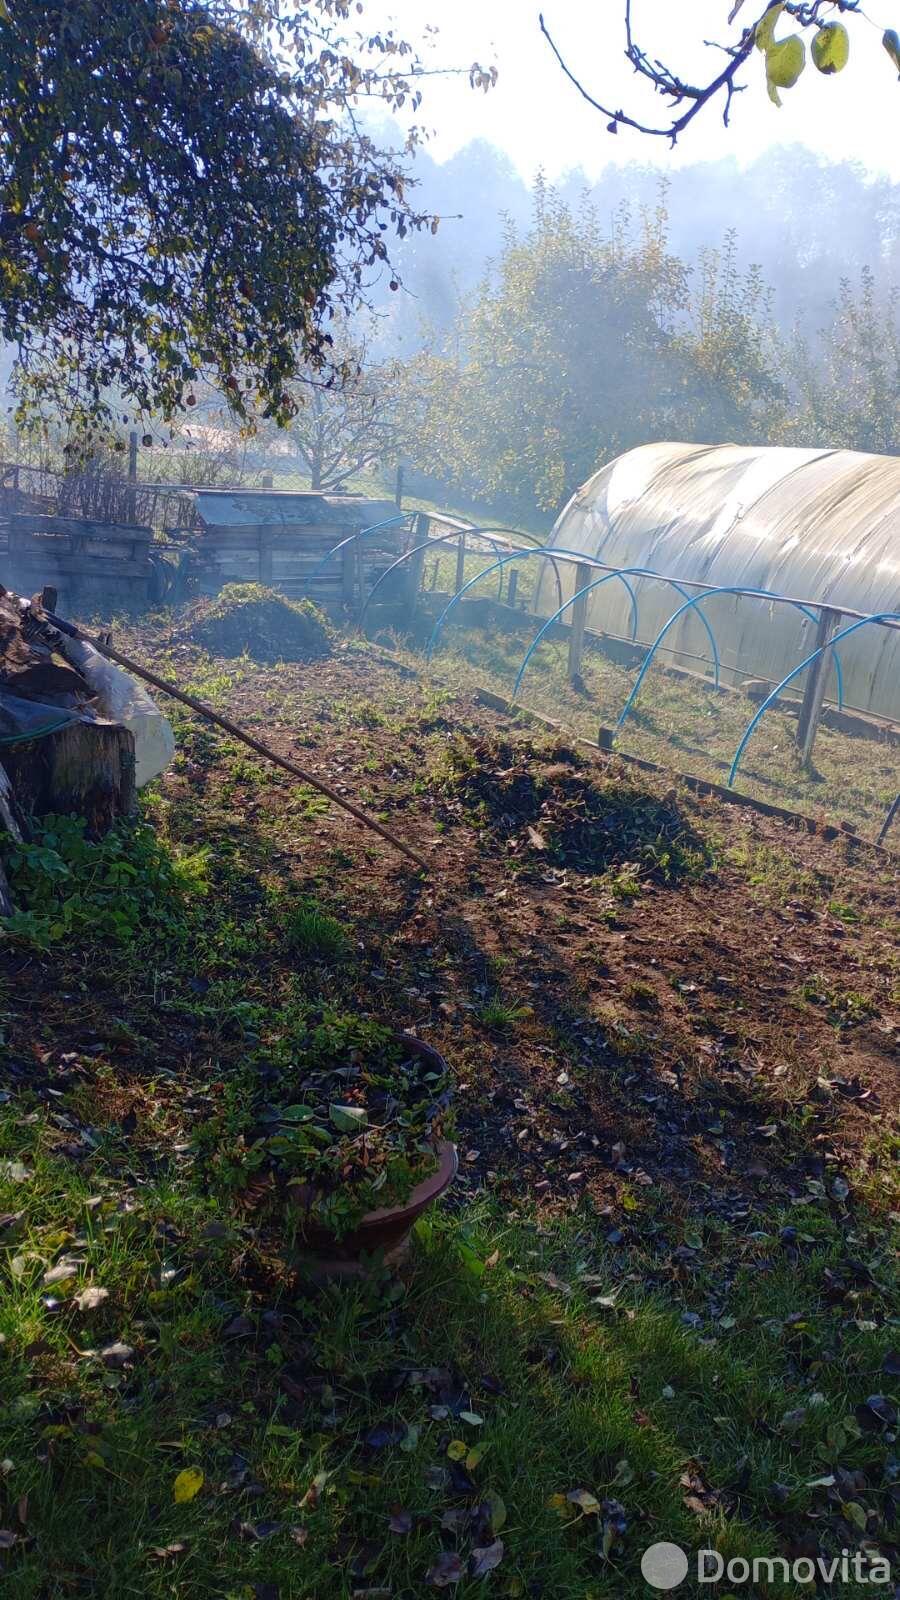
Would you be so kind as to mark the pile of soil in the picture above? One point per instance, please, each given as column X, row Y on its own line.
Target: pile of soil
column 250, row 618
column 547, row 805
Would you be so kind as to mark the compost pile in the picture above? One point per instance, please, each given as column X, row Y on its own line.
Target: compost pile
column 248, row 618
column 545, row 805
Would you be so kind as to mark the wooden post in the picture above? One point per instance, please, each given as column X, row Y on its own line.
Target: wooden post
column 416, row 563
column 579, row 619
column 513, row 585
column 814, row 693
column 892, row 811
column 132, row 474
column 460, row 563
column 265, row 554
column 398, row 491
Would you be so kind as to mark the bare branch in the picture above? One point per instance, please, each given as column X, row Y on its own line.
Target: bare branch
column 807, row 13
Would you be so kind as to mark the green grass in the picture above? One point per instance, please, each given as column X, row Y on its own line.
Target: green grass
column 685, row 726
column 313, row 932
column 681, row 1376
column 696, row 1413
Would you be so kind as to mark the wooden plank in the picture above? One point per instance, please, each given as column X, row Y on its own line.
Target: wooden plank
column 74, row 566
column 28, row 522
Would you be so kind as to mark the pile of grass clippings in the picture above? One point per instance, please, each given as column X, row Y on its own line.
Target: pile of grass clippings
column 551, row 807
column 249, row 618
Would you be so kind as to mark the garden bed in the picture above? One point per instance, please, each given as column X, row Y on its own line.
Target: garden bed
column 659, row 1301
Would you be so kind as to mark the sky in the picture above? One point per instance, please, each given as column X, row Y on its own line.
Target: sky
column 540, row 121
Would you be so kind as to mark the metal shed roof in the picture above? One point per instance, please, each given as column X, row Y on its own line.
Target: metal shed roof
column 241, row 508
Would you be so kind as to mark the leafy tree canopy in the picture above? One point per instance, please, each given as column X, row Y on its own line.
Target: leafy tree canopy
column 186, row 193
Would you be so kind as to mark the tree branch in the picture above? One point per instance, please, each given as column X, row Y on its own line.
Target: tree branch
column 668, row 83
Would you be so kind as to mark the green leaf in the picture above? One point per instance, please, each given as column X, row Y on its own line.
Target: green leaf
column 785, row 61
column 830, row 48
column 296, row 1114
column 348, row 1119
column 765, row 28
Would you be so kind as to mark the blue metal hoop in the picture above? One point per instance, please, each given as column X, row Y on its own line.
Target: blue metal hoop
column 883, row 616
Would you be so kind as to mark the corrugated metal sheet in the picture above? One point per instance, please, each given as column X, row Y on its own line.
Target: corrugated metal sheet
column 812, row 524
column 238, row 508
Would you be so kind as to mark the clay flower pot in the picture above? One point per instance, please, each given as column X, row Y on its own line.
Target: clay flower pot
column 385, row 1232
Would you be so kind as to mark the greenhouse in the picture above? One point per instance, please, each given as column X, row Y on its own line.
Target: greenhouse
column 808, row 525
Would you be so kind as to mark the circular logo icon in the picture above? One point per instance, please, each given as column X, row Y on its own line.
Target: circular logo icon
column 664, row 1565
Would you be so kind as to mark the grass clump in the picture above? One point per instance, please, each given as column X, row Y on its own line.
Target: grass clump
column 251, row 619
column 313, row 933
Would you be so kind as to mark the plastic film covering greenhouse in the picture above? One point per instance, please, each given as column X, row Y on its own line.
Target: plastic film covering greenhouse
column 811, row 525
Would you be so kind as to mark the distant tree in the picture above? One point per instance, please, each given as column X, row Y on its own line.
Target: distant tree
column 582, row 343
column 351, row 420
column 186, row 192
column 732, row 385
column 783, row 58
column 845, row 390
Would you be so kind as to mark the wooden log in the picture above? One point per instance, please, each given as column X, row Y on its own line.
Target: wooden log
column 85, row 770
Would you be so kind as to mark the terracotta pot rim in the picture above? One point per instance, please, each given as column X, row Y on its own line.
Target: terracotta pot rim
column 430, row 1187
column 427, row 1190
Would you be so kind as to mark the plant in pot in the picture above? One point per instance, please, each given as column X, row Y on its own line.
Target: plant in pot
column 358, row 1142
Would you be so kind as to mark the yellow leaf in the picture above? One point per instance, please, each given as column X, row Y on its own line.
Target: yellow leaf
column 475, row 1455
column 558, row 1503
column 830, row 48
column 586, row 1502
column 457, row 1450
column 92, row 1459
column 784, row 63
column 765, row 28
column 187, row 1485
column 4, row 14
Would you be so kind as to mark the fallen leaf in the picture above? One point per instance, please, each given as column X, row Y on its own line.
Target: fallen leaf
column 457, row 1450
column 165, row 1552
column 66, row 1268
column 486, row 1557
column 401, row 1521
column 117, row 1355
column 446, row 1569
column 89, row 1299
column 891, row 1364
column 587, row 1503
column 258, row 1530
column 187, row 1485
column 14, row 1171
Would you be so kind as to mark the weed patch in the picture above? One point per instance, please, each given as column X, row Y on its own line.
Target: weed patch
column 546, row 805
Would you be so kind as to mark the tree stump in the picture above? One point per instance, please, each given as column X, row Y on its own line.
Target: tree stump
column 85, row 770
